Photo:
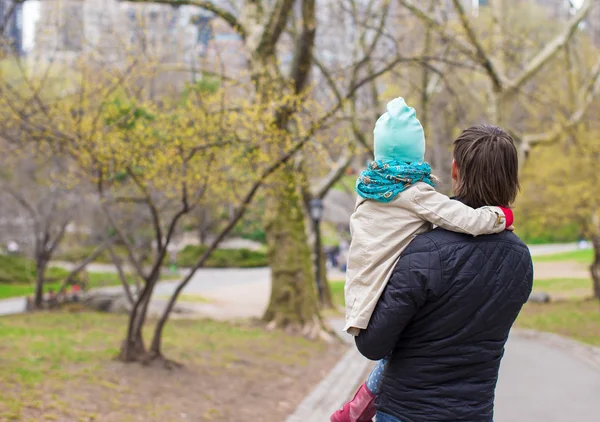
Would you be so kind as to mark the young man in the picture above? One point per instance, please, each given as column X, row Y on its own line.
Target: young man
column 446, row 313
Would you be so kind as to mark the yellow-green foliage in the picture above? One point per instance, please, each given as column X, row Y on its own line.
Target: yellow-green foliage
column 561, row 186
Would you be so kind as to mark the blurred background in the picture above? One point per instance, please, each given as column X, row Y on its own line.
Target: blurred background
column 177, row 179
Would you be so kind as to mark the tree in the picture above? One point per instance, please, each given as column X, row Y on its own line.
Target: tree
column 563, row 188
column 45, row 206
column 163, row 157
column 268, row 30
column 506, row 79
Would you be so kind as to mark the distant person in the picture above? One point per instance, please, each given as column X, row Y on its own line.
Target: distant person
column 75, row 292
column 52, row 299
column 335, row 253
column 445, row 314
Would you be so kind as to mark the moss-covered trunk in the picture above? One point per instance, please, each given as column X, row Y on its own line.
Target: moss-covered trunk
column 293, row 304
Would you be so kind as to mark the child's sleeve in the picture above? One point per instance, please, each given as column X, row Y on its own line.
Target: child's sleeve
column 453, row 215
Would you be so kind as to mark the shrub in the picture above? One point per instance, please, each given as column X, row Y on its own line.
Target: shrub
column 222, row 258
column 21, row 270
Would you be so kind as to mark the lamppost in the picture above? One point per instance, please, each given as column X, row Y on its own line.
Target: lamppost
column 316, row 213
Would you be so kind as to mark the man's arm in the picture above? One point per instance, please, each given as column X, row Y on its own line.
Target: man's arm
column 403, row 296
column 455, row 216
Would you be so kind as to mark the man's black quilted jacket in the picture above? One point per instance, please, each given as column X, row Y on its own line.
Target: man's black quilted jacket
column 444, row 317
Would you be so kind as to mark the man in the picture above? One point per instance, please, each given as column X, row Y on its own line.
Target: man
column 446, row 313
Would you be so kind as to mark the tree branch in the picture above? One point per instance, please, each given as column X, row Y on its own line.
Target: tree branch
column 550, row 51
column 334, row 175
column 153, row 210
column 482, row 57
column 589, row 92
column 122, row 276
column 304, row 55
column 95, row 254
column 206, row 5
column 440, row 28
column 274, row 27
column 132, row 259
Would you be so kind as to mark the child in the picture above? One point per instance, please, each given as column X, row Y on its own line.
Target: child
column 397, row 201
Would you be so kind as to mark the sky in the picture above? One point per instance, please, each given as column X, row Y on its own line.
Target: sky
column 31, row 14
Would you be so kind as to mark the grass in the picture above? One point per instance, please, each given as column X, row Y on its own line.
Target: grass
column 46, row 356
column 8, row 290
column 564, row 286
column 585, row 256
column 346, row 183
column 189, row 298
column 337, row 292
column 576, row 319
column 17, row 269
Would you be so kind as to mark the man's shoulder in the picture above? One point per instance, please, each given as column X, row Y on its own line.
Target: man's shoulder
column 444, row 240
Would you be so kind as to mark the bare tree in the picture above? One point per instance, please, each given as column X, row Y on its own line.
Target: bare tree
column 47, row 207
column 504, row 87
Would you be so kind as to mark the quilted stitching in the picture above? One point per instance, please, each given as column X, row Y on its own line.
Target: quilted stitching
column 445, row 316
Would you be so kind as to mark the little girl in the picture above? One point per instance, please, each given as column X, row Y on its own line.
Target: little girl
column 397, row 201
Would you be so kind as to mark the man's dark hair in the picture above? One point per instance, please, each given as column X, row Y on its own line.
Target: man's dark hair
column 488, row 165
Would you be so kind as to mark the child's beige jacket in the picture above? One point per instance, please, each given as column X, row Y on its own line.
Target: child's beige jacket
column 381, row 231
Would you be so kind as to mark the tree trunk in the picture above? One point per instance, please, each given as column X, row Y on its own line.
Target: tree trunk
column 595, row 268
column 293, row 303
column 133, row 348
column 40, row 271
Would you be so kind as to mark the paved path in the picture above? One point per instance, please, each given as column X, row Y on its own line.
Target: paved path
column 543, row 378
column 548, row 379
column 556, row 248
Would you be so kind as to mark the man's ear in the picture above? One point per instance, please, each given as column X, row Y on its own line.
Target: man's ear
column 454, row 170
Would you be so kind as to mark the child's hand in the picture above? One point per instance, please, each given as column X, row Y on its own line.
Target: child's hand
column 511, row 228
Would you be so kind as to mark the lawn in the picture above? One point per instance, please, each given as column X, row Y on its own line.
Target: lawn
column 576, row 319
column 95, row 280
column 585, row 256
column 60, row 367
column 17, row 277
column 337, row 292
column 190, row 298
column 565, row 288
column 346, row 183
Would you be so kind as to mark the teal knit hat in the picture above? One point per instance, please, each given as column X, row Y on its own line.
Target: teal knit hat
column 399, row 135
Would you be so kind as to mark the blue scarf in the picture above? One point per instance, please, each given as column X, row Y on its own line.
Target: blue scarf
column 385, row 179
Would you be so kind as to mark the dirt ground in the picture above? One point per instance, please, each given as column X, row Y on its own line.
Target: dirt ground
column 243, row 392
column 560, row 269
column 231, row 374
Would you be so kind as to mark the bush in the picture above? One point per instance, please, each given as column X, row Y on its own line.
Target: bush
column 81, row 253
column 533, row 232
column 222, row 258
column 21, row 270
